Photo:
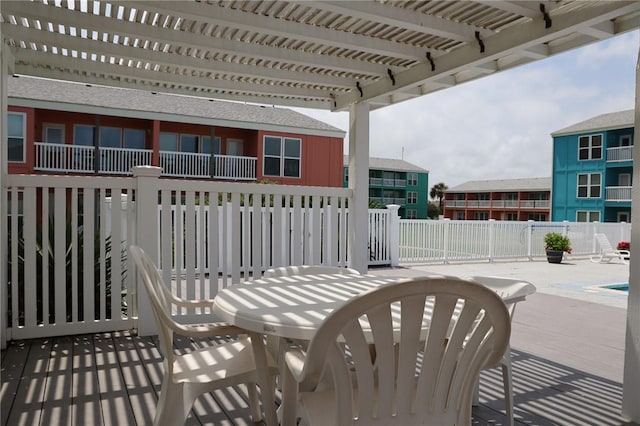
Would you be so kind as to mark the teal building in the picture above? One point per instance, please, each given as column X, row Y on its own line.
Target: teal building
column 396, row 182
column 593, row 169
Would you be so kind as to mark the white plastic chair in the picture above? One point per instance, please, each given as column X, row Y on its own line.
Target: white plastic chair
column 607, row 252
column 428, row 376
column 286, row 271
column 203, row 370
column 511, row 292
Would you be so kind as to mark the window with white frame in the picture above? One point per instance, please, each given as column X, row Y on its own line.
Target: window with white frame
column 281, row 156
column 511, row 216
column 625, row 140
column 590, row 147
column 481, row 216
column 412, row 179
column 134, row 139
column 83, row 135
column 412, row 197
column 53, row 133
column 16, row 132
column 412, row 214
column 587, row 216
column 589, row 185
column 110, row 137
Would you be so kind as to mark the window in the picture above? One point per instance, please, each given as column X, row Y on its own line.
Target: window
column 189, row 143
column 538, row 217
column 206, row 145
column 134, row 139
column 281, row 156
column 459, row 215
column 590, row 147
column 481, row 216
column 625, row 140
column 110, row 137
column 589, row 185
column 412, row 214
column 587, row 216
column 412, row 197
column 412, row 179
column 511, row 216
column 16, row 132
column 83, row 135
column 169, row 142
column 54, row 133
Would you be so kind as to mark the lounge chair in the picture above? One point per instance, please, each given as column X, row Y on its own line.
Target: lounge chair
column 608, row 253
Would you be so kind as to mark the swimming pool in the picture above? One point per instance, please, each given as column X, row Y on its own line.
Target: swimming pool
column 620, row 287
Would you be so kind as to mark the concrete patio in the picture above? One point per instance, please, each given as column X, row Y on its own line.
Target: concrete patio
column 568, row 348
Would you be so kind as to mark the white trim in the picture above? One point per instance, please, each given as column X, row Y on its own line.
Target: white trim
column 281, row 157
column 591, row 147
column 589, row 213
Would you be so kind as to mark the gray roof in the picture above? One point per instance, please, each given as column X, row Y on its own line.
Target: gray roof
column 613, row 120
column 504, row 185
column 377, row 163
column 75, row 97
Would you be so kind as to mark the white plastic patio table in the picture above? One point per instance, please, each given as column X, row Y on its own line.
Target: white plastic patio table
column 290, row 307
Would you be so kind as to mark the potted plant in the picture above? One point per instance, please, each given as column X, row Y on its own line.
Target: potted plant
column 556, row 244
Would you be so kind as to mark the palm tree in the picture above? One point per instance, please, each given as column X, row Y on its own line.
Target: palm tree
column 437, row 191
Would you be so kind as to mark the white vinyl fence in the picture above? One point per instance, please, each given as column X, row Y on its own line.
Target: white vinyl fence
column 424, row 241
column 67, row 244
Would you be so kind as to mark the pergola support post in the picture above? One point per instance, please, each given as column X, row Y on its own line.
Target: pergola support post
column 631, row 381
column 6, row 63
column 359, row 185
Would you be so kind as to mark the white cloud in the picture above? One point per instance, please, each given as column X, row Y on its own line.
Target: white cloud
column 499, row 126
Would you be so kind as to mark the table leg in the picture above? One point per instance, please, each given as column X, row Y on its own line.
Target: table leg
column 264, row 380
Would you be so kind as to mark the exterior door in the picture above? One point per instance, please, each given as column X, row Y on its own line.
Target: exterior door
column 50, row 157
column 624, row 217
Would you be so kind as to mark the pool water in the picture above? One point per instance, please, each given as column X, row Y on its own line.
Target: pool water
column 620, row 287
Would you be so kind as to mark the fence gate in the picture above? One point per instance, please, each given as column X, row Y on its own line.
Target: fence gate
column 379, row 241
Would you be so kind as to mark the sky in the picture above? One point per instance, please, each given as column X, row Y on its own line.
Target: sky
column 499, row 126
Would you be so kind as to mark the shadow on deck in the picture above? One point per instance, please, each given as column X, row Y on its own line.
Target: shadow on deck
column 114, row 378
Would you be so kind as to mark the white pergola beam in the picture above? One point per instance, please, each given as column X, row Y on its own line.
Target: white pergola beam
column 164, row 36
column 154, row 57
column 504, row 43
column 402, row 18
column 202, row 12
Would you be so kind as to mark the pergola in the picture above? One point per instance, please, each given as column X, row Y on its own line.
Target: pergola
column 334, row 55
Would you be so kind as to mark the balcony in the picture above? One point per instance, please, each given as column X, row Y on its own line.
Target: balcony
column 499, row 204
column 620, row 153
column 119, row 161
column 618, row 193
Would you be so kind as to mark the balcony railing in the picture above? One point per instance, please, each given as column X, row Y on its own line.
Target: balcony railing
column 618, row 193
column 498, row 204
column 119, row 161
column 620, row 153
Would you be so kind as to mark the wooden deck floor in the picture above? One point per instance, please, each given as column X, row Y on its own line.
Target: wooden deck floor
column 114, row 379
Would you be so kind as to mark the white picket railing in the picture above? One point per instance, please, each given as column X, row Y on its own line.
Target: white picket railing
column 620, row 153
column 618, row 193
column 78, row 229
column 65, row 158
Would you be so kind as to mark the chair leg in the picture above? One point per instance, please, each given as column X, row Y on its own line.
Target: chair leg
column 254, row 402
column 508, row 386
column 172, row 408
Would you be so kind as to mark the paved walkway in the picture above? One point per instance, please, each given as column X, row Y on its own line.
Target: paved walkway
column 570, row 319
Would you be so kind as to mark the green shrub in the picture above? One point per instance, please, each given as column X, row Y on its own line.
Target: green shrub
column 557, row 241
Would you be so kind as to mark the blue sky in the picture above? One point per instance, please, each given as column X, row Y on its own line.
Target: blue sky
column 499, row 127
